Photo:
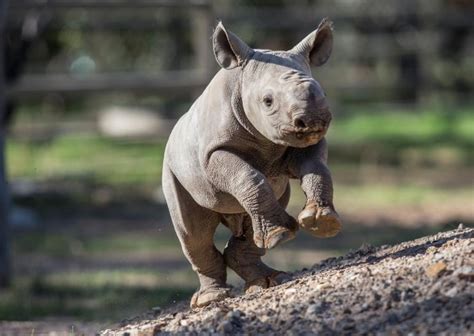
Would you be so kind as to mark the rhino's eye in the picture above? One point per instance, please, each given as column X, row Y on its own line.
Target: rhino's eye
column 268, row 100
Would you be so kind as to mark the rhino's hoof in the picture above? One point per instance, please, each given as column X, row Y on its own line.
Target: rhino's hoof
column 276, row 236
column 275, row 279
column 204, row 297
column 323, row 223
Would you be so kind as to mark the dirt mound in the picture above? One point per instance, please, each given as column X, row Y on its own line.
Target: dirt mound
column 422, row 286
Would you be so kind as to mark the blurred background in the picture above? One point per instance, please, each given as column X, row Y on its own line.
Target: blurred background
column 93, row 88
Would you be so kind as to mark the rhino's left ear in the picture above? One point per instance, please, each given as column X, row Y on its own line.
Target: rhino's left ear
column 317, row 46
column 229, row 50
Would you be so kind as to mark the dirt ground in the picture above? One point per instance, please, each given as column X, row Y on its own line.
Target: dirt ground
column 424, row 286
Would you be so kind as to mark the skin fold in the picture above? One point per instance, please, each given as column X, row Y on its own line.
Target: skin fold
column 260, row 121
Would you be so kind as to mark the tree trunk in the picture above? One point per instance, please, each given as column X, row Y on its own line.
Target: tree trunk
column 4, row 198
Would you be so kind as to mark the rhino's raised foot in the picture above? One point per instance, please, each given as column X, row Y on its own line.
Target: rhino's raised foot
column 323, row 223
column 205, row 296
column 276, row 236
column 275, row 279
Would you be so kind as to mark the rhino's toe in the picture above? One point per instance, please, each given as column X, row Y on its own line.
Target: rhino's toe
column 323, row 223
column 278, row 236
column 206, row 296
column 273, row 238
column 274, row 279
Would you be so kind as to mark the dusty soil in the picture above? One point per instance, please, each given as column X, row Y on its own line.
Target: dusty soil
column 425, row 286
column 47, row 328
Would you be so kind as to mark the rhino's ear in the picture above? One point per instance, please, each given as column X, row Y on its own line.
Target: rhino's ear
column 229, row 50
column 317, row 46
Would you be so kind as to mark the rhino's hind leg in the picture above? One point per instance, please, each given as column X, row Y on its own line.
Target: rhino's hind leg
column 244, row 258
column 195, row 227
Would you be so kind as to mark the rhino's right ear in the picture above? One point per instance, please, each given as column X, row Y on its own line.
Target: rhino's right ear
column 229, row 50
column 317, row 46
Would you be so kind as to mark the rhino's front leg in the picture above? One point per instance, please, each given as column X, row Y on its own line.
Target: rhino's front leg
column 231, row 174
column 319, row 216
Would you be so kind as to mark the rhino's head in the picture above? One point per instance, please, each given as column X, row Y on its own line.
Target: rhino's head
column 279, row 95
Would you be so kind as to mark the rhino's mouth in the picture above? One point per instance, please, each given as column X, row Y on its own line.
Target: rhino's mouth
column 300, row 135
column 303, row 137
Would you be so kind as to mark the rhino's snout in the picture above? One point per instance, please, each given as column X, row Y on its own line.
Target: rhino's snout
column 312, row 121
column 309, row 127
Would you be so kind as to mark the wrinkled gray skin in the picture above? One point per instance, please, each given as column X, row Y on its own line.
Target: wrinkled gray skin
column 260, row 121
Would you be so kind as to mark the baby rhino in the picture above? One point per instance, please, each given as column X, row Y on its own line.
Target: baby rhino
column 260, row 121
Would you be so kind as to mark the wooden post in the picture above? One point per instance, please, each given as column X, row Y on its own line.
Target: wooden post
column 203, row 25
column 4, row 199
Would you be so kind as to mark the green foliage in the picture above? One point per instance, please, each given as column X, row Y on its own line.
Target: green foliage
column 68, row 244
column 405, row 127
column 110, row 161
column 92, row 295
column 119, row 162
column 380, row 195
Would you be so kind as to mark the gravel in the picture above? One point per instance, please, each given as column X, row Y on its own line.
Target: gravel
column 425, row 286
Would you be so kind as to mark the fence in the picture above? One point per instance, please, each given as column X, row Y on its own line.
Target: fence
column 404, row 51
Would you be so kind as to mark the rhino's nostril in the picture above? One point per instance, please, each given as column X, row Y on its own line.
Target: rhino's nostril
column 299, row 123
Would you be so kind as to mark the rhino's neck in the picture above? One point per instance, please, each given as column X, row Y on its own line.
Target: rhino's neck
column 238, row 110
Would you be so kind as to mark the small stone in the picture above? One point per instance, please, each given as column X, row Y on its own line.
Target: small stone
column 436, row 269
column 392, row 318
column 452, row 292
column 347, row 323
column 313, row 309
column 407, row 295
column 431, row 250
column 290, row 291
column 461, row 226
column 371, row 259
column 366, row 248
column 156, row 310
column 225, row 327
column 395, row 295
column 322, row 286
column 465, row 272
column 236, row 313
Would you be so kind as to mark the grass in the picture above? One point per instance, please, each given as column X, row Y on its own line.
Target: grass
column 105, row 160
column 118, row 162
column 419, row 137
column 93, row 295
column 71, row 244
column 380, row 195
column 415, row 127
